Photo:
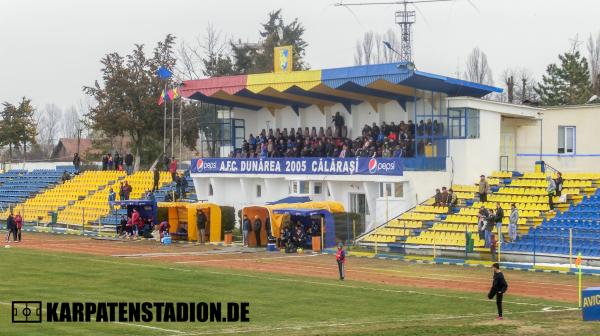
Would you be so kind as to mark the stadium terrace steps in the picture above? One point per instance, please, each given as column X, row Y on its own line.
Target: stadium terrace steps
column 18, row 185
column 575, row 231
column 430, row 225
column 91, row 209
column 39, row 207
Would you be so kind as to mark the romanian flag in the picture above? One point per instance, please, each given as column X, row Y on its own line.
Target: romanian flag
column 169, row 95
column 578, row 260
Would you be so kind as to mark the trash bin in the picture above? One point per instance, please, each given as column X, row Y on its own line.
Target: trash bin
column 469, row 242
column 228, row 238
column 53, row 218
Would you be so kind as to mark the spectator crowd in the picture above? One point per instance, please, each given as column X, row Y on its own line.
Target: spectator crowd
column 385, row 140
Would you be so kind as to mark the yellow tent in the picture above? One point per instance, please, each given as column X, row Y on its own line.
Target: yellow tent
column 262, row 211
column 183, row 215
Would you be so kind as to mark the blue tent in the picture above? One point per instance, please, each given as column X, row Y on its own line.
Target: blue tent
column 304, row 216
column 146, row 208
column 291, row 199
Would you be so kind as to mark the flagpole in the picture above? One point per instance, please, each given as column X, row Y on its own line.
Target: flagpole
column 165, row 120
column 172, row 121
column 180, row 125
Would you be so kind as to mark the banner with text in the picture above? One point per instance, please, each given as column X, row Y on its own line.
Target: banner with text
column 299, row 166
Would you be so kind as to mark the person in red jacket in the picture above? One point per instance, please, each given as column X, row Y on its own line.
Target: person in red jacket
column 173, row 168
column 340, row 257
column 135, row 219
column 19, row 223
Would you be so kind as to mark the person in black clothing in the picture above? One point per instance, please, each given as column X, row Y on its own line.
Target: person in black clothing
column 11, row 228
column 104, row 162
column 201, row 221
column 184, row 186
column 338, row 123
column 129, row 163
column 256, row 228
column 499, row 287
column 498, row 220
column 559, row 183
column 166, row 162
column 76, row 161
column 121, row 229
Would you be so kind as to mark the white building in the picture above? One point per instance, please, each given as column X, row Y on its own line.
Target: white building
column 477, row 137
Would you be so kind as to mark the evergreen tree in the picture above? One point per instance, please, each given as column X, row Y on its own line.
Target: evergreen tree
column 18, row 127
column 567, row 83
column 275, row 32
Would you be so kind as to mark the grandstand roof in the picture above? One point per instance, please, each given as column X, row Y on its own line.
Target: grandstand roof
column 348, row 86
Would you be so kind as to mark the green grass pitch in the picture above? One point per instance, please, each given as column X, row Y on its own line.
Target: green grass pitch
column 278, row 304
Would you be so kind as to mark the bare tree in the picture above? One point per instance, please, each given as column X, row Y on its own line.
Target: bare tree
column 358, row 54
column 71, row 123
column 593, row 47
column 508, row 79
column 519, row 84
column 198, row 58
column 48, row 123
column 367, row 46
column 477, row 68
column 371, row 48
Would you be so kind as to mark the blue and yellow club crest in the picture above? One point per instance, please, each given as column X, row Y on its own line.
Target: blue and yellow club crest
column 283, row 59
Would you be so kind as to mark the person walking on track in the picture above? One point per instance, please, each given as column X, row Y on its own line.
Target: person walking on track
column 11, row 228
column 499, row 287
column 340, row 257
column 19, row 225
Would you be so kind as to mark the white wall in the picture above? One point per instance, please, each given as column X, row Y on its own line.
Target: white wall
column 473, row 157
column 587, row 148
column 286, row 118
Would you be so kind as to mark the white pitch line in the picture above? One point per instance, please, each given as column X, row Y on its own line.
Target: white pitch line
column 150, row 327
column 245, row 259
column 344, row 324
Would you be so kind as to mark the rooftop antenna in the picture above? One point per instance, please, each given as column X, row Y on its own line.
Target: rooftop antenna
column 405, row 18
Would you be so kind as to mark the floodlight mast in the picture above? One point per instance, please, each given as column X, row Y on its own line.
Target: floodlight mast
column 405, row 18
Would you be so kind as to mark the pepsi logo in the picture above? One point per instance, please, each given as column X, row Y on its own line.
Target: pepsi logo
column 199, row 165
column 372, row 166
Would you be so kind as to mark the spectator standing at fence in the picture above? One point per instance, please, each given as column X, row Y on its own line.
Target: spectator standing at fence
column 129, row 163
column 11, row 228
column 245, row 229
column 122, row 227
column 340, row 257
column 201, row 222
column 513, row 220
column 256, row 228
column 551, row 190
column 19, row 225
column 484, row 186
column 498, row 217
column 76, row 161
column 156, row 179
column 110, row 161
column 499, row 287
column 118, row 162
column 104, row 162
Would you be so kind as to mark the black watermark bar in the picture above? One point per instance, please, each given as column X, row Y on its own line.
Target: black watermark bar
column 179, row 312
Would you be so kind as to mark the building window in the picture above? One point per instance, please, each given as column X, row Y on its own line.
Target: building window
column 300, row 187
column 391, row 190
column 463, row 123
column 317, row 188
column 210, row 189
column 258, row 190
column 566, row 139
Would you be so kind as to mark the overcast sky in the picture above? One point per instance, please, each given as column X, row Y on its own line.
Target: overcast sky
column 51, row 48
